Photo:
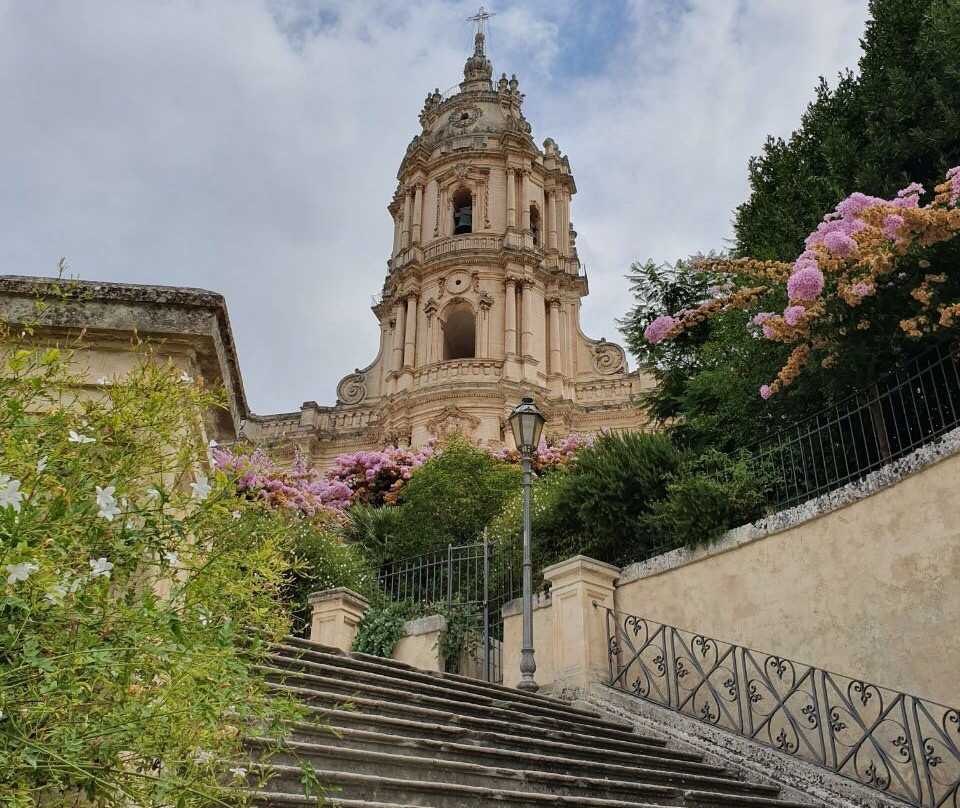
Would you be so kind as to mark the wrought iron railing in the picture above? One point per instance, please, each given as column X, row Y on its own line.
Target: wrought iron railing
column 911, row 406
column 480, row 577
column 899, row 744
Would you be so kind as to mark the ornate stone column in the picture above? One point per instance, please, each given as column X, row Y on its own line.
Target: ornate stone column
column 407, row 218
column 410, row 339
column 483, row 327
column 526, row 334
column 417, row 211
column 511, row 198
column 555, row 353
column 525, row 199
column 552, row 220
column 396, row 234
column 399, row 320
column 433, row 326
column 510, row 316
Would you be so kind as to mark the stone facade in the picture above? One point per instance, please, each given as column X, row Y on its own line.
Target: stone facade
column 482, row 298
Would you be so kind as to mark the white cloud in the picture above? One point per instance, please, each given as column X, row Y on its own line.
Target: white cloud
column 251, row 147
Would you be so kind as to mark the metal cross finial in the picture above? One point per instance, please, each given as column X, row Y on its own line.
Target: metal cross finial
column 480, row 18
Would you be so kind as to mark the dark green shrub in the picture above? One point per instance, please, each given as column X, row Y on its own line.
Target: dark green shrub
column 707, row 496
column 449, row 500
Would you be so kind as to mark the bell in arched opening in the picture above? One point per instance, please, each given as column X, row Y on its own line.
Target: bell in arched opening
column 462, row 212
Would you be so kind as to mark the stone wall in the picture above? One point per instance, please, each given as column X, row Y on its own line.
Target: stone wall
column 863, row 582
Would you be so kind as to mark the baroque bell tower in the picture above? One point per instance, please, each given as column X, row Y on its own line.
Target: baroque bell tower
column 481, row 302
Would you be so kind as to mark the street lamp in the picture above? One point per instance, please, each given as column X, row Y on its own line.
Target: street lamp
column 527, row 421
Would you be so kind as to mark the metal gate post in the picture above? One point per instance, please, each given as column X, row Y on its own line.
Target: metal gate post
column 486, row 607
column 449, row 575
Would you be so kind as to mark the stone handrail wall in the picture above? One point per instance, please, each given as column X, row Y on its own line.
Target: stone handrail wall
column 467, row 370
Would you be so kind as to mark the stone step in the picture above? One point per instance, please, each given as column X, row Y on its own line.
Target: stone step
column 529, row 772
column 347, row 689
column 392, row 790
column 482, row 747
column 324, row 702
column 450, row 682
column 398, row 681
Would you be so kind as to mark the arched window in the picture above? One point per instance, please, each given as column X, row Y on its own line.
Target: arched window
column 535, row 224
column 459, row 334
column 462, row 211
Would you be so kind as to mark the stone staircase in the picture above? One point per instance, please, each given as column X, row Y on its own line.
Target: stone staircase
column 385, row 735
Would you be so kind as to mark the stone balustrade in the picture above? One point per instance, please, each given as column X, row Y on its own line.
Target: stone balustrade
column 466, row 370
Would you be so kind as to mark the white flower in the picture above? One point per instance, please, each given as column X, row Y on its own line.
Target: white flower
column 21, row 571
column 75, row 438
column 213, row 444
column 107, row 503
column 238, row 772
column 201, row 488
column 171, row 557
column 100, row 566
column 203, row 618
column 153, row 492
column 10, row 493
column 104, row 380
column 235, row 514
column 41, row 465
column 186, row 378
column 56, row 593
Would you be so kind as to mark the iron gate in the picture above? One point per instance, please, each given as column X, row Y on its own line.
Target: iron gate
column 477, row 579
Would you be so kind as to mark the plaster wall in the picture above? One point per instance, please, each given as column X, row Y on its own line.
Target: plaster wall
column 419, row 645
column 870, row 589
column 543, row 633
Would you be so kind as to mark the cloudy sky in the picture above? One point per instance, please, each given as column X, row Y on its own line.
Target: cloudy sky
column 251, row 146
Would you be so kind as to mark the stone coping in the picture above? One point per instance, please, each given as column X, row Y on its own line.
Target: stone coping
column 425, row 625
column 197, row 316
column 922, row 458
column 541, row 600
column 342, row 593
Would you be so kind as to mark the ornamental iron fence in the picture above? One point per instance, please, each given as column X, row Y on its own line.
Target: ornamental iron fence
column 478, row 578
column 909, row 407
column 896, row 743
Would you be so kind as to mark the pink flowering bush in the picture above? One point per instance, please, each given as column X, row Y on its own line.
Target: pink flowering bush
column 376, row 477
column 549, row 456
column 300, row 487
column 856, row 252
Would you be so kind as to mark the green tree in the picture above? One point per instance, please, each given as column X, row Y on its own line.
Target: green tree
column 450, row 499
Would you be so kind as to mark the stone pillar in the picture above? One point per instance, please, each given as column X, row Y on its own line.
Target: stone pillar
column 410, row 339
column 564, row 225
column 511, row 198
column 483, row 329
column 525, row 199
column 417, row 211
column 579, row 627
column 526, row 325
column 396, row 234
column 555, row 353
column 552, row 220
column 407, row 218
column 420, row 643
column 400, row 319
column 510, row 317
column 336, row 613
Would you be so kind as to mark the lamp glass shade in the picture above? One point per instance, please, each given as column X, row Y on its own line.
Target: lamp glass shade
column 527, row 422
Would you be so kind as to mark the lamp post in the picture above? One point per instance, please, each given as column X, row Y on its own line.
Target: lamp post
column 527, row 421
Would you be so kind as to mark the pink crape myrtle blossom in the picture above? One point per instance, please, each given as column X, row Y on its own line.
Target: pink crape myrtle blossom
column 840, row 244
column 792, row 314
column 806, row 284
column 300, row 487
column 659, row 328
column 762, row 317
column 891, row 226
column 953, row 177
column 765, row 392
column 863, row 288
column 549, row 456
column 377, row 476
